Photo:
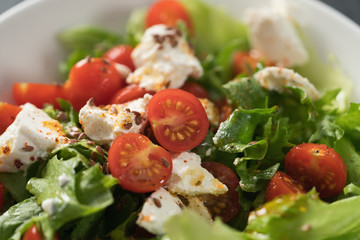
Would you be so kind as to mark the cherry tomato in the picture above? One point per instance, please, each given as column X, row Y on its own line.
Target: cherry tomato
column 226, row 206
column 2, row 193
column 138, row 164
column 196, row 90
column 92, row 77
column 32, row 234
column 121, row 54
column 244, row 62
column 317, row 165
column 281, row 184
column 129, row 93
column 168, row 12
column 37, row 93
column 177, row 119
column 8, row 113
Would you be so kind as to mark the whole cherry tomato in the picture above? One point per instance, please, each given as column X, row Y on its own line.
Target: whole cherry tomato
column 121, row 54
column 317, row 165
column 129, row 93
column 95, row 78
column 168, row 12
column 282, row 184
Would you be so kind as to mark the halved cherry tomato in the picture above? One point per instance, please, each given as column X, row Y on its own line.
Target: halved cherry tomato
column 121, row 54
column 129, row 93
column 2, row 193
column 317, row 165
column 196, row 90
column 8, row 113
column 37, row 93
column 282, row 184
column 244, row 62
column 138, row 164
column 178, row 119
column 168, row 12
column 32, row 234
column 92, row 78
column 226, row 206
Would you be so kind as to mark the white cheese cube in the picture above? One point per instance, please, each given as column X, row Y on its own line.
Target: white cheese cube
column 104, row 123
column 157, row 209
column 188, row 178
column 29, row 138
column 163, row 59
column 276, row 78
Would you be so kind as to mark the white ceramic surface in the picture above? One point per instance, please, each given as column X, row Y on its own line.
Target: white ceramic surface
column 30, row 52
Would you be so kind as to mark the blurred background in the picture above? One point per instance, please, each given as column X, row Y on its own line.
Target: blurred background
column 350, row 8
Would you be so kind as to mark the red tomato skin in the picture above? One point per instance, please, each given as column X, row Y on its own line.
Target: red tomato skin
column 121, row 54
column 229, row 202
column 138, row 164
column 317, row 165
column 37, row 93
column 168, row 12
column 129, row 93
column 196, row 90
column 32, row 234
column 8, row 113
column 92, row 78
column 242, row 61
column 282, row 184
column 167, row 119
column 2, row 194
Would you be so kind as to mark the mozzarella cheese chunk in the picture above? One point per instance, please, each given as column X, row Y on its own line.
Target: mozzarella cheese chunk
column 211, row 111
column 197, row 204
column 163, row 59
column 275, row 78
column 104, row 123
column 157, row 209
column 188, row 178
column 29, row 138
column 274, row 37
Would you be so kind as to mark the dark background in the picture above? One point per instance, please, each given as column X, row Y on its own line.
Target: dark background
column 350, row 8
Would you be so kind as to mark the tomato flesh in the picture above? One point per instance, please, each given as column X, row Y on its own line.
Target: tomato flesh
column 121, row 54
column 92, row 78
column 225, row 206
column 282, row 184
column 317, row 165
column 168, row 12
column 37, row 93
column 129, row 93
column 8, row 113
column 138, row 164
column 178, row 119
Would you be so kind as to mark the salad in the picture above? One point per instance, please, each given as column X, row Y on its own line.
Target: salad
column 190, row 125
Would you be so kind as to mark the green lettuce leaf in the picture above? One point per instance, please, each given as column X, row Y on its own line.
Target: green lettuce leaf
column 306, row 217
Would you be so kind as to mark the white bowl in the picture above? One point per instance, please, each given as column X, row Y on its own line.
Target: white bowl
column 30, row 52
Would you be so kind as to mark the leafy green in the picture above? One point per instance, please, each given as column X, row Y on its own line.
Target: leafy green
column 16, row 216
column 350, row 122
column 235, row 134
column 190, row 225
column 306, row 217
column 213, row 27
column 83, row 193
column 246, row 93
column 135, row 26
